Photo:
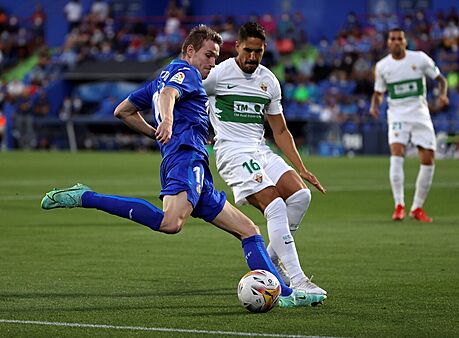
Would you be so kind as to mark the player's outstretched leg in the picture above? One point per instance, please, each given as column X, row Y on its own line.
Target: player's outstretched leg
column 80, row 195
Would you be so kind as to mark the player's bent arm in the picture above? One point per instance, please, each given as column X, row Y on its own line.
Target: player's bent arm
column 166, row 102
column 129, row 114
column 284, row 140
column 232, row 220
column 376, row 100
column 443, row 88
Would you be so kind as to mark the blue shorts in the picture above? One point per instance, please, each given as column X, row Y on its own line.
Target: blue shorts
column 187, row 170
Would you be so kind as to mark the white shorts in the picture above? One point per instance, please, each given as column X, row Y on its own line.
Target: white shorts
column 418, row 133
column 248, row 172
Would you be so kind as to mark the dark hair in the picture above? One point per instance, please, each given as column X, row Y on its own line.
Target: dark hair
column 198, row 35
column 396, row 29
column 251, row 30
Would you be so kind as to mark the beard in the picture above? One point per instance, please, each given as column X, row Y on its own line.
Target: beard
column 250, row 67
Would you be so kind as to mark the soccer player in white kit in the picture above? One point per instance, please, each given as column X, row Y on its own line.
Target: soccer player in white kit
column 242, row 94
column 402, row 74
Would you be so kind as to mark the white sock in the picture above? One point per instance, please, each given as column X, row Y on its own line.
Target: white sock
column 297, row 206
column 280, row 239
column 423, row 184
column 397, row 179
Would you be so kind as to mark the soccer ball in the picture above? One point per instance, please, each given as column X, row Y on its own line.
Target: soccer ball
column 259, row 291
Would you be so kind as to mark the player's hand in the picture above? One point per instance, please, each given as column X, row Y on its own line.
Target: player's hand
column 374, row 112
column 443, row 101
column 153, row 133
column 311, row 178
column 164, row 132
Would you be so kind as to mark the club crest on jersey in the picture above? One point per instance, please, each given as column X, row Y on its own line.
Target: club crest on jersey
column 198, row 189
column 178, row 78
column 264, row 86
column 258, row 177
column 413, row 67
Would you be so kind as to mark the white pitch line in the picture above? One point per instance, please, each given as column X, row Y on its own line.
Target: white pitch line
column 158, row 329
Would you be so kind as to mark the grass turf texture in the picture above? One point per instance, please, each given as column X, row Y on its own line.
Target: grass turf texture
column 384, row 278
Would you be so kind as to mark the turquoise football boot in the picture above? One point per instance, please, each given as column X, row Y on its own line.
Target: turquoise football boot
column 299, row 298
column 64, row 198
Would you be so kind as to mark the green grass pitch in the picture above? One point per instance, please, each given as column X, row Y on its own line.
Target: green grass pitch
column 88, row 267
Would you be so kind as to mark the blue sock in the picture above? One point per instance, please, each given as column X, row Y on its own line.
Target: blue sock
column 257, row 258
column 135, row 209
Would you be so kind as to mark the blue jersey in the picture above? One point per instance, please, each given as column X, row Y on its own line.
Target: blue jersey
column 191, row 120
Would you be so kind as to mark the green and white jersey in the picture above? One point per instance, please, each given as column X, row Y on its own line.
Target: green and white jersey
column 405, row 83
column 239, row 102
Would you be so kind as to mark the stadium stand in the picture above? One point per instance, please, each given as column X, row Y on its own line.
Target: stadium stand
column 70, row 90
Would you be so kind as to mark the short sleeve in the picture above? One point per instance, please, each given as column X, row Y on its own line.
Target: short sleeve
column 430, row 69
column 141, row 98
column 380, row 83
column 185, row 80
column 275, row 106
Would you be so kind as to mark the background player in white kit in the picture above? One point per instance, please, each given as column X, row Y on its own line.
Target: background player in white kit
column 402, row 74
column 242, row 94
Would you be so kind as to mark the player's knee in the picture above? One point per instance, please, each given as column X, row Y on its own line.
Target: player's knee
column 301, row 197
column 297, row 206
column 250, row 229
column 171, row 226
column 246, row 228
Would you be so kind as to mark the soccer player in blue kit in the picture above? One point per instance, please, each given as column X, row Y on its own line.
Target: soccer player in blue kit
column 179, row 103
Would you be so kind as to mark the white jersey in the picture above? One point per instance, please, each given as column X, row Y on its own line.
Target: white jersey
column 405, row 83
column 239, row 102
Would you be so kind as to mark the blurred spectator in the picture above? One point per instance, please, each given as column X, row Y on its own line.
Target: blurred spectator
column 69, row 57
column 100, row 10
column 3, row 19
column 331, row 110
column 13, row 25
column 70, row 107
column 14, row 89
column 24, row 121
column 73, row 11
column 451, row 34
column 290, row 70
column 38, row 25
column 268, row 23
column 301, row 93
column 43, row 72
column 41, row 106
column 228, row 32
column 284, row 26
column 321, row 70
column 174, row 15
column 453, row 16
